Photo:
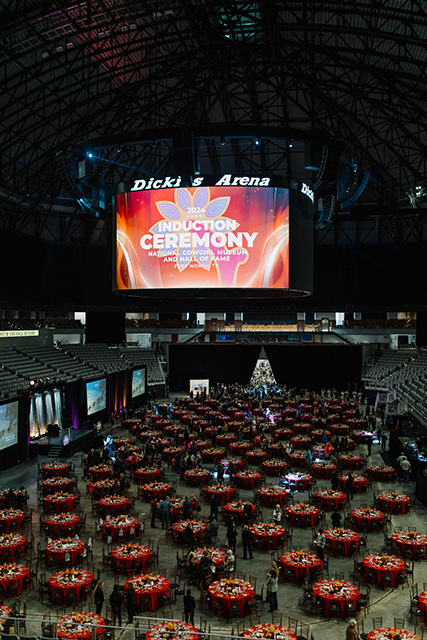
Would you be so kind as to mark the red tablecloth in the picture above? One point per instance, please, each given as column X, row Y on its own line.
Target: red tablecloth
column 169, row 453
column 369, row 519
column 135, row 460
column 394, row 503
column 239, row 448
column 144, row 475
column 72, row 581
column 101, row 487
column 225, row 593
column 340, row 429
column 62, row 524
column 275, row 631
column 317, row 434
column 300, row 563
column 11, row 520
column 121, row 527
column 121, row 441
column 248, row 479
column 149, row 587
column 274, row 467
column 55, row 484
column 381, row 566
column 212, row 454
column 422, row 603
column 59, row 502
column 301, row 427
column 100, row 472
column 302, row 515
column 350, row 461
column 342, row 541
column 382, row 473
column 362, row 437
column 323, row 469
column 360, row 483
column 52, row 469
column 155, row 490
column 336, row 591
column 283, row 434
column 78, row 626
column 235, row 510
column 223, row 492
column 172, row 631
column 266, row 535
column 236, row 462
column 11, row 545
column 298, row 481
column 388, row 633
column 225, row 439
column 297, row 459
column 14, row 574
column 198, row 527
column 218, row 557
column 255, row 457
column 270, row 496
column 301, row 442
column 131, row 556
column 410, row 543
column 197, row 477
column 330, row 499
column 65, row 550
column 113, row 505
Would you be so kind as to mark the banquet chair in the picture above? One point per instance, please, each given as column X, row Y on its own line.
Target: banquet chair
column 360, row 625
column 259, row 600
column 350, row 609
column 377, row 622
column 304, row 633
column 293, row 625
column 364, row 601
column 334, row 610
column 387, row 580
column 399, row 623
column 419, row 631
column 276, row 617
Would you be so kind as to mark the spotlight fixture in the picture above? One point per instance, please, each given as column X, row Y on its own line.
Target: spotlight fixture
column 32, row 382
column 257, row 141
column 222, row 141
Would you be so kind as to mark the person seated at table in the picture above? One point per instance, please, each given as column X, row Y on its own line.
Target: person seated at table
column 189, row 539
column 336, row 519
column 229, row 563
column 187, row 508
column 212, row 530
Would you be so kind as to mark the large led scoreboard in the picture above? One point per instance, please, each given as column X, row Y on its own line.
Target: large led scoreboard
column 245, row 235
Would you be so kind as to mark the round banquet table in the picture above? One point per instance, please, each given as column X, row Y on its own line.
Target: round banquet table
column 11, row 520
column 255, row 457
column 225, row 593
column 177, row 507
column 130, row 557
column 301, row 442
column 218, row 557
column 100, row 472
column 65, row 550
column 144, row 475
column 382, row 473
column 337, row 591
column 394, row 503
column 362, row 437
column 330, row 499
column 52, row 469
column 323, row 469
column 422, row 603
column 5, row 612
column 301, row 427
column 248, row 479
column 298, row 481
column 297, row 459
column 102, row 487
column 239, row 448
column 121, row 441
column 369, row 519
column 296, row 565
column 342, row 542
column 11, row 574
column 11, row 545
column 121, row 527
column 236, row 462
column 154, row 490
column 387, row 633
column 199, row 444
column 223, row 492
column 212, row 454
column 274, row 467
column 360, row 483
column 134, row 460
column 270, row 496
column 317, row 435
column 275, row 631
column 350, row 461
column 78, row 626
column 113, row 505
column 235, row 510
column 283, row 434
column 154, row 588
column 59, row 502
column 198, row 528
column 169, row 453
column 340, row 429
column 197, row 477
column 410, row 544
column 62, row 525
column 55, row 484
column 72, row 584
column 172, row 631
column 266, row 535
column 225, row 439
column 170, row 430
column 377, row 567
column 302, row 515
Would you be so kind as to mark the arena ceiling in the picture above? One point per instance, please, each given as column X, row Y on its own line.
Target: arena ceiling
column 234, row 86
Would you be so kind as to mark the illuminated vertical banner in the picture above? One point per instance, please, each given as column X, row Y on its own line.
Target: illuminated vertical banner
column 203, row 238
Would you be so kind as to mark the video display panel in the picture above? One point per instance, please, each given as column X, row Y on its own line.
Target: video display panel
column 8, row 424
column 205, row 237
column 138, row 382
column 96, row 395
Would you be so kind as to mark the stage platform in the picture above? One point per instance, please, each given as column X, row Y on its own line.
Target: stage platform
column 68, row 442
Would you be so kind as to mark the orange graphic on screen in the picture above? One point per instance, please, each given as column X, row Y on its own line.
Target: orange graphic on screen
column 204, row 237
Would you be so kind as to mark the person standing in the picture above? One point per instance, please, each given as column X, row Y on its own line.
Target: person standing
column 349, row 485
column 231, row 535
column 247, row 542
column 351, row 633
column 320, row 542
column 130, row 602
column 189, row 607
column 405, row 465
column 277, row 514
column 336, row 519
column 272, row 588
column 116, row 603
column 153, row 513
column 214, row 506
column 384, row 439
column 99, row 597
